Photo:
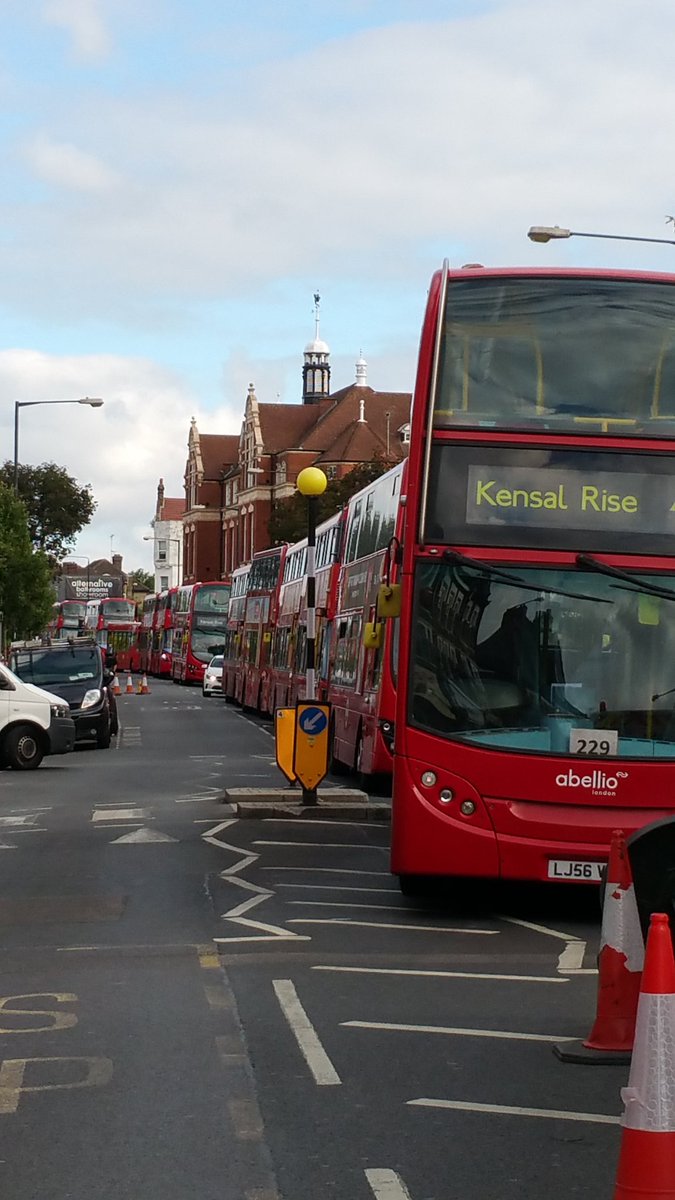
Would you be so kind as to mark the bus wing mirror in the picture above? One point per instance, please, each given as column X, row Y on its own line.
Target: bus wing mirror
column 372, row 635
column 389, row 600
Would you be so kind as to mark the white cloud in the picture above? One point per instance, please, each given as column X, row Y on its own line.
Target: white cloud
column 66, row 166
column 122, row 449
column 83, row 20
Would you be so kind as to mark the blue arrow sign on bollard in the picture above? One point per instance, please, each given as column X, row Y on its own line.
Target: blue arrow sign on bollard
column 313, row 721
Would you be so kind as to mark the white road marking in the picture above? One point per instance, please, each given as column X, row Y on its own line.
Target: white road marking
column 143, row 835
column 260, row 937
column 336, row 887
column 26, row 819
column 385, row 925
column 443, row 974
column 15, row 832
column 571, row 957
column 6, row 846
column 315, row 1056
column 397, row 908
column 315, row 821
column 328, row 870
column 552, row 1114
column 457, row 1031
column 119, row 814
column 260, row 894
column 322, row 845
column 386, row 1185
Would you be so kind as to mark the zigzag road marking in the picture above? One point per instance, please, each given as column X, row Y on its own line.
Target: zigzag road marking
column 260, row 894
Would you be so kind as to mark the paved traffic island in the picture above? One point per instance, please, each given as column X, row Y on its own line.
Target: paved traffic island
column 336, row 802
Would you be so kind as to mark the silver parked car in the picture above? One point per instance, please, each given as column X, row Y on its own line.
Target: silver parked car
column 213, row 677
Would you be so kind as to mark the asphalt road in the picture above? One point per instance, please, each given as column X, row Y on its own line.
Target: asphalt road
column 198, row 1006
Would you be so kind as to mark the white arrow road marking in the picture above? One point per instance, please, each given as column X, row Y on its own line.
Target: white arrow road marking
column 571, row 958
column 143, row 835
column 260, row 894
column 386, row 1185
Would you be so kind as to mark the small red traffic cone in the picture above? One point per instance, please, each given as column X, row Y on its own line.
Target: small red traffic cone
column 130, row 685
column 116, row 689
column 619, row 968
column 143, row 689
column 647, row 1158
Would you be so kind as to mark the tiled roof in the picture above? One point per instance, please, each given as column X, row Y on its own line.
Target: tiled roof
column 219, row 450
column 359, row 442
column 283, row 426
column 345, row 408
column 172, row 509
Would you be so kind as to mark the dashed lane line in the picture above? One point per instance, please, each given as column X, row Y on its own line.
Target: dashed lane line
column 397, row 908
column 322, row 845
column 413, row 973
column 508, row 1110
column 456, row 1031
column 386, row 1184
column 336, row 887
column 329, row 870
column 320, row 1065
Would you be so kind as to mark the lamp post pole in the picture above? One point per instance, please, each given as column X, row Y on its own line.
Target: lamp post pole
column 92, row 403
column 311, row 483
column 554, row 233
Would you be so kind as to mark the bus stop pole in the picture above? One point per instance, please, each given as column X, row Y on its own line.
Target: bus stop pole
column 311, row 483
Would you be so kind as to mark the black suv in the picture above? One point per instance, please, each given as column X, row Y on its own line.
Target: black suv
column 75, row 670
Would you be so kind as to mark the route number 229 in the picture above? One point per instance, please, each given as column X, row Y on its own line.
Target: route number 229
column 589, row 741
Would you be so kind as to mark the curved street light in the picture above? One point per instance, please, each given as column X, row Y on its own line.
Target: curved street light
column 553, row 233
column 92, row 403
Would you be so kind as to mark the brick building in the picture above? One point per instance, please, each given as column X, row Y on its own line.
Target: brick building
column 232, row 482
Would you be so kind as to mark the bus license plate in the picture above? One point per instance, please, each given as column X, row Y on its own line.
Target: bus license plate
column 567, row 869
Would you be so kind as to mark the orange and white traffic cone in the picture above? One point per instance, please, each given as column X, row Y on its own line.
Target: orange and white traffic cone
column 620, row 964
column 116, row 689
column 143, row 689
column 647, row 1158
column 130, row 685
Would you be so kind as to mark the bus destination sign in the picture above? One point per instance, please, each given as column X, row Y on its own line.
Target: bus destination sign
column 545, row 498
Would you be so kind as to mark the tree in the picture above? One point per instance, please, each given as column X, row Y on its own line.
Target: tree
column 143, row 579
column 288, row 522
column 26, row 593
column 56, row 506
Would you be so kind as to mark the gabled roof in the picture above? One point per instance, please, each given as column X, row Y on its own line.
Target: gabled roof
column 218, row 450
column 345, row 410
column 359, row 442
column 283, row 426
column 171, row 509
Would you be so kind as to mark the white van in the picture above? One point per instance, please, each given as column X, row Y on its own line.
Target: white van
column 32, row 723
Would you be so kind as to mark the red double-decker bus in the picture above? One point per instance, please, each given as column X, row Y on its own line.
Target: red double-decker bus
column 535, row 709
column 162, row 632
column 233, row 667
column 361, row 689
column 260, row 616
column 289, row 651
column 145, row 631
column 199, row 629
column 68, row 618
column 113, row 622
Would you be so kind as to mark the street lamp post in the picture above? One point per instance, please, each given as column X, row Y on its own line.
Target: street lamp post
column 176, row 542
column 93, row 403
column 311, row 483
column 554, row 233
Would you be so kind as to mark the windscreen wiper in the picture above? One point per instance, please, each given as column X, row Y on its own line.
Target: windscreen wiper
column 637, row 584
column 465, row 560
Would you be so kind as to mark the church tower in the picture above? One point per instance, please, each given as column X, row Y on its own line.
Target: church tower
column 316, row 368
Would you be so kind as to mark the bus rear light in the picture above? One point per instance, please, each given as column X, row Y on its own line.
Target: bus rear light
column 467, row 808
column 446, row 795
column 428, row 778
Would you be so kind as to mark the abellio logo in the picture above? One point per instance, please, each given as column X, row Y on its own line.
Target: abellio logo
column 597, row 782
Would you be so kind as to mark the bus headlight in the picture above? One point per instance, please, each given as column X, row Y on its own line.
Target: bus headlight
column 91, row 697
column 467, row 808
column 428, row 778
column 446, row 795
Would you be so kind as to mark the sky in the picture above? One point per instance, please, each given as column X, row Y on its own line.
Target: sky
column 177, row 180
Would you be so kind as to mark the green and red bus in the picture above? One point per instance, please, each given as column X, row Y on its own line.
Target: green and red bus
column 536, row 678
